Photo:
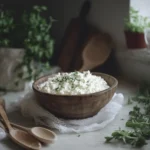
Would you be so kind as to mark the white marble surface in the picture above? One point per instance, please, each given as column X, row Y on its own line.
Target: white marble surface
column 86, row 141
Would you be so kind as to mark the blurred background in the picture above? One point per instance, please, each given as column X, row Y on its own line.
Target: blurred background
column 112, row 36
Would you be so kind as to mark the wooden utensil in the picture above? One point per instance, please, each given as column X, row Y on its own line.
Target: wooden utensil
column 22, row 138
column 42, row 134
column 2, row 126
column 95, row 52
column 73, row 39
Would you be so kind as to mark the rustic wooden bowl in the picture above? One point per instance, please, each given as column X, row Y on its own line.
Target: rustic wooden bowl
column 75, row 106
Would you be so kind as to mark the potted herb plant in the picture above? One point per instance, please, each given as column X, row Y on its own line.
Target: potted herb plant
column 38, row 43
column 134, row 29
column 10, row 56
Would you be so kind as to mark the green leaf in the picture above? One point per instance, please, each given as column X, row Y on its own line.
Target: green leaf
column 38, row 38
column 43, row 7
column 40, row 54
column 47, row 38
column 129, row 101
column 108, row 139
column 136, row 23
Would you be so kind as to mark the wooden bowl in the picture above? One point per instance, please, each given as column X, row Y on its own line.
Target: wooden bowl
column 75, row 106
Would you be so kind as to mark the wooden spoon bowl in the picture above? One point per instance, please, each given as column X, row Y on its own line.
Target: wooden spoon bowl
column 24, row 139
column 95, row 52
column 44, row 135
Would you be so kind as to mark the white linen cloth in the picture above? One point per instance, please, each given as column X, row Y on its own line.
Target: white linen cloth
column 30, row 108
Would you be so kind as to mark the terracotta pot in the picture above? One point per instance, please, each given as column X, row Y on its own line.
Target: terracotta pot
column 135, row 40
column 75, row 106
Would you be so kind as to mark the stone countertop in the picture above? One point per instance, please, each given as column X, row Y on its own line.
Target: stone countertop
column 134, row 64
column 84, row 141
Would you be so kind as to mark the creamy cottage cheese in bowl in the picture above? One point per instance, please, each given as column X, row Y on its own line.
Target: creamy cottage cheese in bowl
column 74, row 83
column 75, row 95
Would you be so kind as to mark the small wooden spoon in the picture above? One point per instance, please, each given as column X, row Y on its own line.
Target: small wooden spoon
column 42, row 134
column 95, row 52
column 22, row 138
column 2, row 126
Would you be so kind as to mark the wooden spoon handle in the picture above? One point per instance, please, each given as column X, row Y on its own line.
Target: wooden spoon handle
column 2, row 126
column 83, row 68
column 2, row 102
column 19, row 127
column 5, row 118
column 86, row 67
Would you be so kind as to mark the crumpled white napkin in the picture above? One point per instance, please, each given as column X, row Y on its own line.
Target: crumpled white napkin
column 30, row 108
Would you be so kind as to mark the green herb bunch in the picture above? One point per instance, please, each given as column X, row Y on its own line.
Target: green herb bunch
column 39, row 44
column 139, row 121
column 6, row 26
column 135, row 22
column 131, row 137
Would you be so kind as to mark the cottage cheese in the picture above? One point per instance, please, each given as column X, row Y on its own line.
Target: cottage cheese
column 74, row 83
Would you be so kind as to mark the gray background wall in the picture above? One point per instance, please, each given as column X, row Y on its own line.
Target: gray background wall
column 63, row 11
column 107, row 15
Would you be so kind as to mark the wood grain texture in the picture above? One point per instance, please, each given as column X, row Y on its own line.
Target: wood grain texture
column 69, row 44
column 95, row 52
column 76, row 106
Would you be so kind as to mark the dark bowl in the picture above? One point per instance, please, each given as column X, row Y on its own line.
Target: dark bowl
column 75, row 106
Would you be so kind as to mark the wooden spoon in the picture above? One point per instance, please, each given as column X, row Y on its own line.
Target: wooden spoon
column 42, row 134
column 95, row 52
column 2, row 126
column 22, row 138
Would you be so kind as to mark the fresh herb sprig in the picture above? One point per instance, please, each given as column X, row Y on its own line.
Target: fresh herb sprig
column 139, row 121
column 131, row 137
column 6, row 27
